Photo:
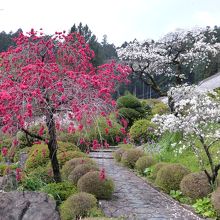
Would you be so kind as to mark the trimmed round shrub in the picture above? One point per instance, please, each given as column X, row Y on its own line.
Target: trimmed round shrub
column 91, row 183
column 156, row 168
column 144, row 162
column 130, row 157
column 195, row 185
column 77, row 205
column 59, row 191
column 130, row 114
column 159, row 108
column 169, row 177
column 128, row 101
column 66, row 146
column 142, row 131
column 38, row 156
column 215, row 198
column 118, row 154
column 70, row 165
column 63, row 157
column 81, row 170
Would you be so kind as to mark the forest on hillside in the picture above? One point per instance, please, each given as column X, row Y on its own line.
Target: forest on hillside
column 105, row 52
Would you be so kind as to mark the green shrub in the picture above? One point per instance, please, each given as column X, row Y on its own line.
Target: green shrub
column 130, row 107
column 118, row 154
column 142, row 131
column 125, row 146
column 66, row 146
column 81, row 170
column 130, row 157
column 215, row 199
column 42, row 173
column 77, row 205
column 70, row 165
column 64, row 136
column 205, row 208
column 6, row 141
column 160, row 109
column 130, row 114
column 195, row 185
column 170, row 176
column 59, row 191
column 156, row 168
column 31, row 183
column 38, row 156
column 128, row 101
column 144, row 162
column 98, row 130
column 63, row 157
column 91, row 183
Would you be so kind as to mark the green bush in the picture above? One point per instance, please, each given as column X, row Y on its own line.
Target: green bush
column 66, row 146
column 195, row 185
column 38, row 156
column 31, row 183
column 144, row 162
column 59, row 191
column 64, row 136
column 118, row 154
column 81, row 170
column 160, row 109
column 42, row 173
column 142, row 131
column 130, row 108
column 63, row 157
column 77, row 205
column 70, row 165
column 6, row 141
column 128, row 101
column 125, row 146
column 98, row 130
column 130, row 157
column 130, row 114
column 91, row 183
column 169, row 177
column 156, row 168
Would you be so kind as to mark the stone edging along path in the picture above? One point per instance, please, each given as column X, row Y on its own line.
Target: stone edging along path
column 135, row 199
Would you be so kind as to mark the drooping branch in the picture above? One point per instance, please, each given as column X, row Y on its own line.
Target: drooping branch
column 150, row 81
column 33, row 135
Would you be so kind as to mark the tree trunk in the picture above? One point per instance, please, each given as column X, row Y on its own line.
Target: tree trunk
column 52, row 145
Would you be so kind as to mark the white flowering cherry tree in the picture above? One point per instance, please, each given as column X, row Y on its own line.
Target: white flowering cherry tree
column 197, row 116
column 169, row 56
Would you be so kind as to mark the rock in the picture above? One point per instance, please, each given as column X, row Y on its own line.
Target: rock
column 27, row 206
column 9, row 182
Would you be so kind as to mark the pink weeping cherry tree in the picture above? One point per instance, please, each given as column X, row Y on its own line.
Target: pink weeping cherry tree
column 52, row 77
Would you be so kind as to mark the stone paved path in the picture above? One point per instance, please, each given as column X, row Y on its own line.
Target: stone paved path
column 134, row 199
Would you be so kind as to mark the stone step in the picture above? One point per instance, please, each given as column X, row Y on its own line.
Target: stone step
column 101, row 155
column 103, row 150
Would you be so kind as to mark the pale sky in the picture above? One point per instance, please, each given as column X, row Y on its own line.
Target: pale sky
column 120, row 20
